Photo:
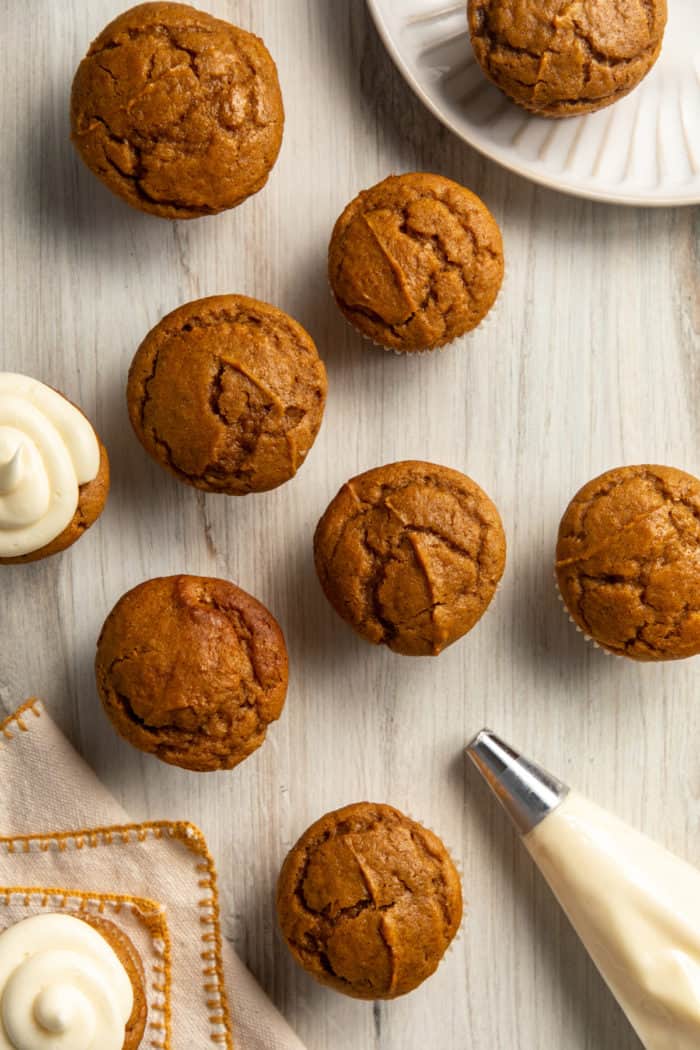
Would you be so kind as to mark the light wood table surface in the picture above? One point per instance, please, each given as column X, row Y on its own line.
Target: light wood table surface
column 592, row 361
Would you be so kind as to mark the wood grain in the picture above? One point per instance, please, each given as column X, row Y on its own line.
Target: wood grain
column 592, row 361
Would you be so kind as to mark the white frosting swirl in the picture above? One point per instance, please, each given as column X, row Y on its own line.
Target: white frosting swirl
column 62, row 987
column 47, row 450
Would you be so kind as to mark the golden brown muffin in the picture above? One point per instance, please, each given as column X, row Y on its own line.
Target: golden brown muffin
column 129, row 958
column 410, row 555
column 227, row 393
column 415, row 262
column 91, row 502
column 628, row 562
column 192, row 670
column 369, row 901
column 178, row 113
column 559, row 59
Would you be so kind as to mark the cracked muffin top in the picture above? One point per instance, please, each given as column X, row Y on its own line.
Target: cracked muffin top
column 227, row 393
column 177, row 112
column 415, row 262
column 410, row 555
column 192, row 670
column 369, row 901
column 628, row 562
column 559, row 58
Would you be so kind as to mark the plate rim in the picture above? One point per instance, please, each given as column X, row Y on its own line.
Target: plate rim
column 598, row 196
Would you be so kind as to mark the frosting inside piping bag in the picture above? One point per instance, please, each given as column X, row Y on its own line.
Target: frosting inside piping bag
column 635, row 906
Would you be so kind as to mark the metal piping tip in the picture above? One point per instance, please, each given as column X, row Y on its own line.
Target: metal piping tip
column 527, row 793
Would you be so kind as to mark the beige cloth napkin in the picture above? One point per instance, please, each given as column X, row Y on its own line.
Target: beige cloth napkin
column 66, row 844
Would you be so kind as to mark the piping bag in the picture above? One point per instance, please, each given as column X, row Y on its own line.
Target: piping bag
column 635, row 906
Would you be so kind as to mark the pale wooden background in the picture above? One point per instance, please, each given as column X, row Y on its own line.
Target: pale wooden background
column 592, row 362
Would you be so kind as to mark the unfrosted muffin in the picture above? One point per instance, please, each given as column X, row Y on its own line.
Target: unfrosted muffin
column 192, row 670
column 227, row 393
column 369, row 901
column 415, row 262
column 54, row 471
column 558, row 60
column 628, row 562
column 410, row 555
column 177, row 112
column 65, row 975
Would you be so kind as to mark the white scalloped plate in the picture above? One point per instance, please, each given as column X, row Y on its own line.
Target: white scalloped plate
column 644, row 150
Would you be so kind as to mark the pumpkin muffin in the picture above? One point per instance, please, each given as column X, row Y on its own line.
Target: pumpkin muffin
column 43, row 956
column 192, row 670
column 177, row 112
column 559, row 60
column 369, row 901
column 628, row 562
column 415, row 262
column 92, row 497
column 54, row 471
column 410, row 555
column 227, row 393
column 125, row 951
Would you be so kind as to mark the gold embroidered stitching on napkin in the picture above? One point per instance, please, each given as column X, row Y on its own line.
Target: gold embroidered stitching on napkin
column 79, row 840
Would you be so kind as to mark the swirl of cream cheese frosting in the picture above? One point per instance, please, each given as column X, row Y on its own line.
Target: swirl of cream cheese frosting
column 62, row 987
column 48, row 449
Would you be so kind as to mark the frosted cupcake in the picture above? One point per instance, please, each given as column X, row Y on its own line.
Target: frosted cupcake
column 70, row 982
column 54, row 471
